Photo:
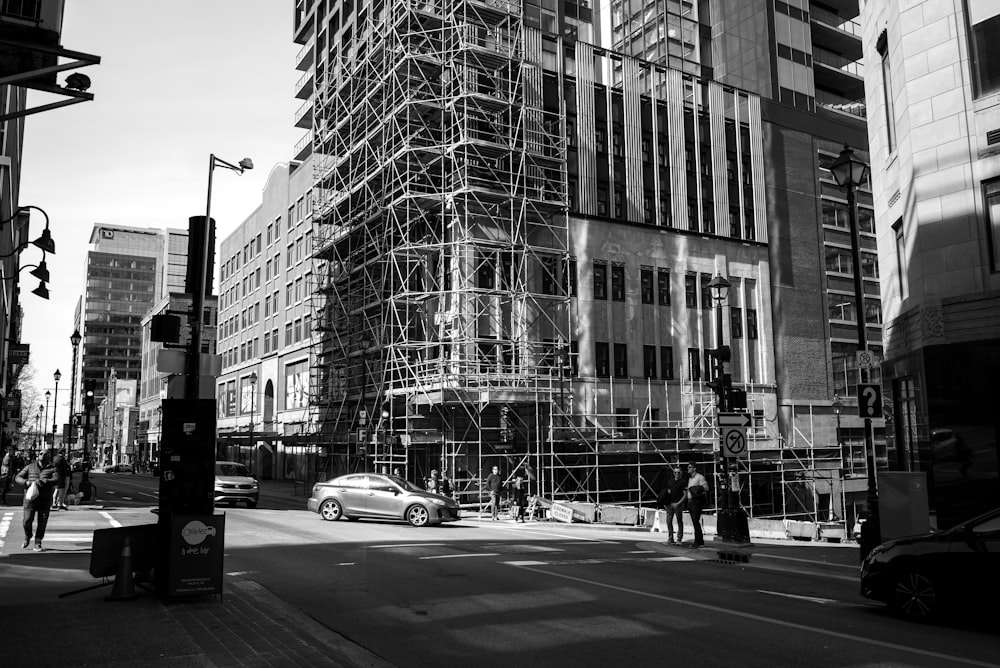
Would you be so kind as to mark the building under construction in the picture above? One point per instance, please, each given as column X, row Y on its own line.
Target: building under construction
column 513, row 236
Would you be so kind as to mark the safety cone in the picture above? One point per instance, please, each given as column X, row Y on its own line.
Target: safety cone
column 124, row 587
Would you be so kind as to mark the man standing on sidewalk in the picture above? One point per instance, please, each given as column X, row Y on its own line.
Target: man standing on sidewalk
column 42, row 473
column 494, row 483
column 697, row 496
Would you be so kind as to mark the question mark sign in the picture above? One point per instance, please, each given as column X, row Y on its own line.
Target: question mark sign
column 870, row 396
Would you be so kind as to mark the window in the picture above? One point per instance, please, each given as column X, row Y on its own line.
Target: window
column 751, row 323
column 601, row 360
column 984, row 23
column 646, row 285
column 991, row 190
column 691, row 291
column 569, row 277
column 890, row 115
column 667, row 362
column 706, row 292
column 600, row 280
column 649, row 361
column 663, row 286
column 618, row 282
column 621, row 360
column 694, row 364
column 736, row 322
column 904, row 286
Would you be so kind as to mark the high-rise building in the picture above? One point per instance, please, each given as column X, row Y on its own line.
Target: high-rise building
column 127, row 270
column 516, row 227
column 933, row 92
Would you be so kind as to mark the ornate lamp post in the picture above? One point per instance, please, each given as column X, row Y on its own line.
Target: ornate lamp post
column 253, row 399
column 850, row 173
column 838, row 407
column 38, row 425
column 55, row 406
column 74, row 339
column 45, row 420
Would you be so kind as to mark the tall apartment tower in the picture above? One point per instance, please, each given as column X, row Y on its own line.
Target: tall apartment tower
column 515, row 230
column 127, row 270
column 933, row 93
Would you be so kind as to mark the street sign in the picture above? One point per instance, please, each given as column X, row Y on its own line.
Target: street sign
column 869, row 400
column 734, row 441
column 866, row 359
column 734, row 420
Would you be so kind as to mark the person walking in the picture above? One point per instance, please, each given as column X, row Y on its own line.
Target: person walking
column 518, row 498
column 494, row 484
column 62, row 484
column 674, row 504
column 444, row 488
column 697, row 499
column 7, row 465
column 40, row 473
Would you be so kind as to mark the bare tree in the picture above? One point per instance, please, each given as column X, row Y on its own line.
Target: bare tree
column 31, row 399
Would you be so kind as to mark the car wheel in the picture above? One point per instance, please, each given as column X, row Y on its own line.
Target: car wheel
column 417, row 516
column 330, row 510
column 915, row 596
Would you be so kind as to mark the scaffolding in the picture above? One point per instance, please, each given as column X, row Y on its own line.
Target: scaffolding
column 441, row 304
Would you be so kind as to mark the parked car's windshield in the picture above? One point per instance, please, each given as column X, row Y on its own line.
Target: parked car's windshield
column 231, row 469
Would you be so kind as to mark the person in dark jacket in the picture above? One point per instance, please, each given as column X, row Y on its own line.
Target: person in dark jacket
column 494, row 485
column 39, row 472
column 519, row 498
column 62, row 484
column 675, row 502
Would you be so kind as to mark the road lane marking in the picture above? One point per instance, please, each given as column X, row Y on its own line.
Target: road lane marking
column 764, row 620
column 804, row 561
column 811, row 599
column 459, row 556
column 115, row 523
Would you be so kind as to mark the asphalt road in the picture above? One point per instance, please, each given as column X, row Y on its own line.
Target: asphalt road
column 502, row 594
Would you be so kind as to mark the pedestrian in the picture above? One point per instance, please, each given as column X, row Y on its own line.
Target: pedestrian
column 697, row 499
column 445, row 486
column 494, row 485
column 518, row 498
column 675, row 502
column 62, row 484
column 431, row 484
column 397, row 473
column 7, row 465
column 40, row 473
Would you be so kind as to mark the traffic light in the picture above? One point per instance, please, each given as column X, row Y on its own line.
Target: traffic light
column 89, row 388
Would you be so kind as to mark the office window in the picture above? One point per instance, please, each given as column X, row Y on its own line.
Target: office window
column 736, row 322
column 569, row 277
column 667, row 362
column 663, row 286
column 691, row 290
column 706, row 293
column 890, row 115
column 602, row 360
column 649, row 361
column 897, row 228
column 618, row 282
column 991, row 190
column 694, row 364
column 751, row 323
column 600, row 280
column 984, row 24
column 646, row 285
column 288, row 333
column 621, row 360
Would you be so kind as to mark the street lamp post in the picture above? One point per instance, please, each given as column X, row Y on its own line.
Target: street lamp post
column 55, row 406
column 74, row 339
column 850, row 173
column 253, row 399
column 838, row 406
column 38, row 426
column 45, row 420
column 198, row 298
column 732, row 523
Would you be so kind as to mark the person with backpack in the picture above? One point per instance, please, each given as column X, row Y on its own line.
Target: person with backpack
column 39, row 478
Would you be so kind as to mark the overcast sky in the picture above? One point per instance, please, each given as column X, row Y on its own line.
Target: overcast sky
column 178, row 81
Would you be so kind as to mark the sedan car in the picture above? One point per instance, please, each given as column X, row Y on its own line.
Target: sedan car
column 920, row 576
column 234, row 483
column 118, row 468
column 371, row 495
